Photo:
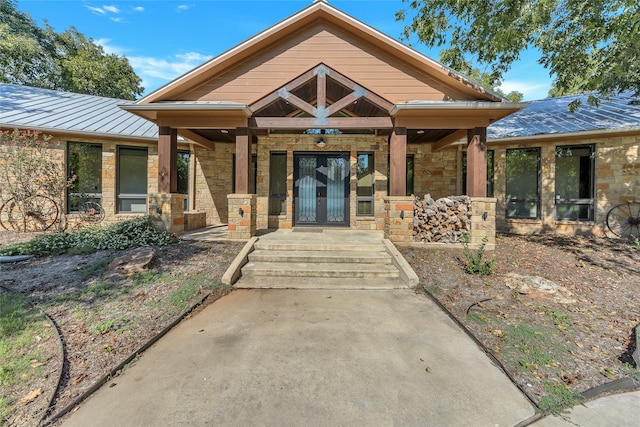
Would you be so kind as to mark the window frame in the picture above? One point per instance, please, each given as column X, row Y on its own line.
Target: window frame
column 95, row 196
column 282, row 198
column 537, row 200
column 590, row 202
column 130, row 196
column 371, row 198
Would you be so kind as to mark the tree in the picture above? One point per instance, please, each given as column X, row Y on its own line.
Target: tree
column 585, row 45
column 40, row 57
column 486, row 80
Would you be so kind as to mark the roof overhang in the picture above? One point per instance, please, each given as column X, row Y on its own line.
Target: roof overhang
column 80, row 134
column 566, row 136
column 155, row 112
column 451, row 114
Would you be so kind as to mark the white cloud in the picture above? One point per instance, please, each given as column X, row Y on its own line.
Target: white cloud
column 156, row 72
column 138, row 9
column 112, row 9
column 531, row 89
column 108, row 48
column 183, row 7
column 96, row 10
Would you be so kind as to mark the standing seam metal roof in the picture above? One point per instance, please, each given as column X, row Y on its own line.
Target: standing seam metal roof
column 56, row 111
column 552, row 116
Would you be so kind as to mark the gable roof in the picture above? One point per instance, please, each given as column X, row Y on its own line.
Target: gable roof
column 551, row 118
column 52, row 111
column 319, row 11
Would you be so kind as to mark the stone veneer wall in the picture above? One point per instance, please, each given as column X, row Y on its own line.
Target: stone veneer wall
column 435, row 173
column 353, row 144
column 617, row 180
column 213, row 181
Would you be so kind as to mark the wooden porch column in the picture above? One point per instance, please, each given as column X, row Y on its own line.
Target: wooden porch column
column 398, row 162
column 243, row 160
column 477, row 162
column 167, row 160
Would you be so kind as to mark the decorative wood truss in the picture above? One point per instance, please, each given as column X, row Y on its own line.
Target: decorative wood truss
column 321, row 98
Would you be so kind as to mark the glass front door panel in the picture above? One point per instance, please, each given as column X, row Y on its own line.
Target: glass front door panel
column 321, row 192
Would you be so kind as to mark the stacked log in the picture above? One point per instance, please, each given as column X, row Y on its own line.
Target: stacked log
column 443, row 220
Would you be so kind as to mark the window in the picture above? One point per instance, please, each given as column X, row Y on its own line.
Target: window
column 489, row 173
column 278, row 184
column 132, row 180
column 84, row 168
column 409, row 190
column 365, row 183
column 575, row 182
column 183, row 176
column 523, row 171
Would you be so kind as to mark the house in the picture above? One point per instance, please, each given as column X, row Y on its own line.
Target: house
column 323, row 121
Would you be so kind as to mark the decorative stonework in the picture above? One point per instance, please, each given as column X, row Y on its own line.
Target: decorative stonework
column 167, row 212
column 398, row 221
column 242, row 216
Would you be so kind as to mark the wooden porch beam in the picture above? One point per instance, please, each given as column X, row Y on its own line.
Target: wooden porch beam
column 321, row 91
column 167, row 160
column 197, row 139
column 300, row 103
column 449, row 139
column 398, row 162
column 243, row 159
column 313, row 123
column 477, row 162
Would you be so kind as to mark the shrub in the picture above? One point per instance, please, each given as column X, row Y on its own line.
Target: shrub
column 476, row 264
column 122, row 235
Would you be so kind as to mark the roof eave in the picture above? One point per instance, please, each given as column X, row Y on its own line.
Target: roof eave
column 543, row 137
column 415, row 106
column 80, row 133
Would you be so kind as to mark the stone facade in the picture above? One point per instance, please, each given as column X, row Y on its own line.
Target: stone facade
column 398, row 221
column 435, row 173
column 167, row 212
column 213, row 181
column 242, row 216
column 617, row 180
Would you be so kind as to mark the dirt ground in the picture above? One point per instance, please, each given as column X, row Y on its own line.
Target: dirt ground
column 582, row 338
column 582, row 341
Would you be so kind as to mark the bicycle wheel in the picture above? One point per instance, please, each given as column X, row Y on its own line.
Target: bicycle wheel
column 92, row 212
column 36, row 213
column 623, row 220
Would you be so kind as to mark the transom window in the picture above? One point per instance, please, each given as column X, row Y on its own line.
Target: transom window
column 575, row 182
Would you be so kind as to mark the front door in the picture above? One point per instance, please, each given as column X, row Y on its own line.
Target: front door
column 321, row 189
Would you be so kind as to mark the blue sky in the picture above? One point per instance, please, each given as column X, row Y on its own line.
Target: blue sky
column 164, row 39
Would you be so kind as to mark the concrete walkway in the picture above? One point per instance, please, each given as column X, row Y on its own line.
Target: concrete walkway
column 311, row 357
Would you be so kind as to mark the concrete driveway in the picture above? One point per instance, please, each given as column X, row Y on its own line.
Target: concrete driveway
column 311, row 357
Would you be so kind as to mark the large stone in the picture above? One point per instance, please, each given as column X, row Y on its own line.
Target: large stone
column 535, row 286
column 133, row 261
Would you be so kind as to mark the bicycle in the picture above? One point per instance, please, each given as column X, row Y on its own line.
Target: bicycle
column 623, row 220
column 89, row 209
column 30, row 213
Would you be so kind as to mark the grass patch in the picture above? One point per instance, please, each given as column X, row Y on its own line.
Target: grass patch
column 95, row 269
column 22, row 329
column 558, row 398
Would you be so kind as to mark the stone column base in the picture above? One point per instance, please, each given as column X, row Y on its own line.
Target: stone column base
column 483, row 221
column 167, row 212
column 398, row 220
column 242, row 216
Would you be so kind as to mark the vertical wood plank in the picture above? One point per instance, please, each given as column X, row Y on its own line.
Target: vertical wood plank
column 243, row 159
column 398, row 162
column 477, row 162
column 167, row 160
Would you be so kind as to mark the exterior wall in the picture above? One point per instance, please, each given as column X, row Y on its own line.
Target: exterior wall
column 365, row 63
column 617, row 180
column 434, row 173
column 213, row 181
column 335, row 143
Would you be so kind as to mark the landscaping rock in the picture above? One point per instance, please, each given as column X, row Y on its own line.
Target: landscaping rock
column 133, row 261
column 534, row 286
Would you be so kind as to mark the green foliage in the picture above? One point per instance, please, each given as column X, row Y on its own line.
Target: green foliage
column 476, row 264
column 558, row 398
column 122, row 235
column 40, row 57
column 636, row 243
column 585, row 46
column 486, row 80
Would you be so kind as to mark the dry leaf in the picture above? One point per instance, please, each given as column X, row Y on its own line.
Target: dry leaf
column 31, row 396
column 77, row 379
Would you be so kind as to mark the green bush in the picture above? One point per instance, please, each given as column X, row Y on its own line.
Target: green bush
column 476, row 264
column 121, row 235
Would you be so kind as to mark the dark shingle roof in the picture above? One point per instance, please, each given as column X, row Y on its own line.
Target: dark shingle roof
column 65, row 112
column 552, row 116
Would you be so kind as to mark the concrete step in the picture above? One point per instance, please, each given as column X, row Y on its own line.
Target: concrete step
column 262, row 282
column 274, row 245
column 304, row 256
column 328, row 270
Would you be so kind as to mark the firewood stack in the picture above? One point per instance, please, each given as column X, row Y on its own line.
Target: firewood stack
column 443, row 220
